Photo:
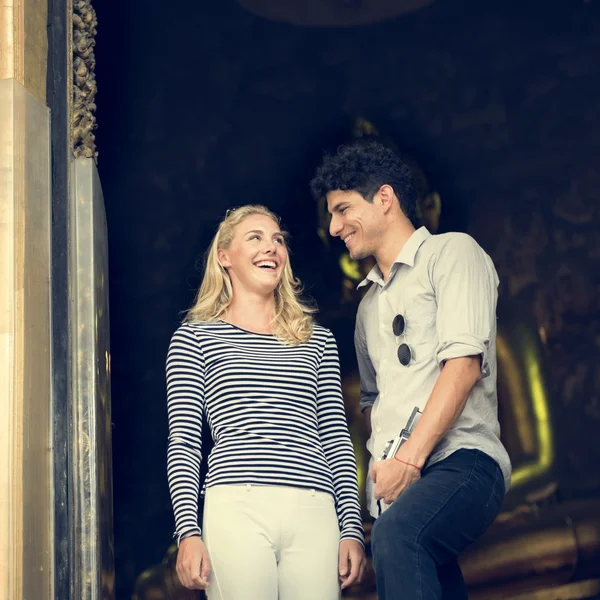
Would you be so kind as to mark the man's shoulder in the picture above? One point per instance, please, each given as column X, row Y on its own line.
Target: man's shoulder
column 450, row 240
column 453, row 245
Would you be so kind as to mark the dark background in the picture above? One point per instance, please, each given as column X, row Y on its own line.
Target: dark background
column 203, row 106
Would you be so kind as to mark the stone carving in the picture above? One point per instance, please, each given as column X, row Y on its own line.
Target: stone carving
column 83, row 118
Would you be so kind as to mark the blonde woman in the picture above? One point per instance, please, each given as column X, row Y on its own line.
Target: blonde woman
column 281, row 516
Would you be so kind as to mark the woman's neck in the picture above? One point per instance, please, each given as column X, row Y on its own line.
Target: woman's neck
column 251, row 312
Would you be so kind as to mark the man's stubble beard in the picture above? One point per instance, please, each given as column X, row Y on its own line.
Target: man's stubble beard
column 360, row 255
column 369, row 247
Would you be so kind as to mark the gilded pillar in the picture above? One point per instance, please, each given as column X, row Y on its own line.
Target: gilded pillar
column 90, row 446
column 55, row 447
column 26, row 497
column 90, row 416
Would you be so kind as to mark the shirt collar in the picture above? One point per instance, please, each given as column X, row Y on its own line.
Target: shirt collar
column 407, row 256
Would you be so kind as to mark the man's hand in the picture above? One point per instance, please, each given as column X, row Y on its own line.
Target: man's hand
column 193, row 565
column 352, row 562
column 391, row 477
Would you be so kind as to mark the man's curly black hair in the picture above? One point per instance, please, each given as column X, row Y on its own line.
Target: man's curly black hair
column 363, row 167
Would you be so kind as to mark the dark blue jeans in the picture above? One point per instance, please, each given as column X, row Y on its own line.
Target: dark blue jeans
column 417, row 540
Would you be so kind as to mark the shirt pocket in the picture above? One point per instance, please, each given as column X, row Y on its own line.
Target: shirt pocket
column 420, row 313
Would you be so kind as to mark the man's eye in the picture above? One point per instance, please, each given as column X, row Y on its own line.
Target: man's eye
column 343, row 210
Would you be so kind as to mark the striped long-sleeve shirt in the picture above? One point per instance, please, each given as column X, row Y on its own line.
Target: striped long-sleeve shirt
column 276, row 415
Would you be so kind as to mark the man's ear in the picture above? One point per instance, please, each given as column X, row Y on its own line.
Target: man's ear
column 222, row 257
column 387, row 197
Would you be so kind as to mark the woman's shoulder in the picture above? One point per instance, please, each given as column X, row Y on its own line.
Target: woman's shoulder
column 321, row 334
column 199, row 329
column 320, row 329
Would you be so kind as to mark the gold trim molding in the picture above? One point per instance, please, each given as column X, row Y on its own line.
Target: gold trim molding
column 83, row 117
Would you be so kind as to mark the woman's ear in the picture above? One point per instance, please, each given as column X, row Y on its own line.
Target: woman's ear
column 222, row 258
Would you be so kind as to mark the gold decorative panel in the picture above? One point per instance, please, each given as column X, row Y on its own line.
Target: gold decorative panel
column 26, row 502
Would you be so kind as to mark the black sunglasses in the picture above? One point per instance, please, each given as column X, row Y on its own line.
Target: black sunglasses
column 398, row 327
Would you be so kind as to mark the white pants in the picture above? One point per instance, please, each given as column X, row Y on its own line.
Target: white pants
column 271, row 543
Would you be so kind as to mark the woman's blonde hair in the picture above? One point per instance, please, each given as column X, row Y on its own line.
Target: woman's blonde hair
column 292, row 321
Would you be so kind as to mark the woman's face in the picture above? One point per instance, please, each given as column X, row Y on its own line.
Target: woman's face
column 257, row 255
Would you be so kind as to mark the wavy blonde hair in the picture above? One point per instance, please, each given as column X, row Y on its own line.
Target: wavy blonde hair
column 292, row 321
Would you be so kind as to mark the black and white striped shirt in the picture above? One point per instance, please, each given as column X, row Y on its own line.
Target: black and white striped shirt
column 276, row 415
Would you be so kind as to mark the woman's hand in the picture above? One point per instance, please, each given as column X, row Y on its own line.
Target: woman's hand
column 193, row 565
column 352, row 562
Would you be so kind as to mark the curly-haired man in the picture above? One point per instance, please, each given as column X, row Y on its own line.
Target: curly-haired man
column 425, row 338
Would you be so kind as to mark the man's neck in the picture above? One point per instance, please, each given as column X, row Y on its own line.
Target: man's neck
column 391, row 245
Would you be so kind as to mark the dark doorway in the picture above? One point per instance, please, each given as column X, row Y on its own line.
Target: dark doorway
column 203, row 106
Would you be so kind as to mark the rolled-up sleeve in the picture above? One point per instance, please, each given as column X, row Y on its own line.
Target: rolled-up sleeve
column 368, row 377
column 466, row 289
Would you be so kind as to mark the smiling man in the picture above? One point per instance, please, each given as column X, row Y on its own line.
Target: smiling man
column 425, row 338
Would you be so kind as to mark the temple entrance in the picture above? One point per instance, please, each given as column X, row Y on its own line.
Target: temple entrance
column 249, row 125
column 191, row 125
column 110, row 199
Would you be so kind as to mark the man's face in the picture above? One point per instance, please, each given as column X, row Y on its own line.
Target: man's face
column 359, row 223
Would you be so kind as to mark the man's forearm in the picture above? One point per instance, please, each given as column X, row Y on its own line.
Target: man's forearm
column 445, row 404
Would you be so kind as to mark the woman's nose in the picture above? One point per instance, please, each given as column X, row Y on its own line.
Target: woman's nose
column 270, row 246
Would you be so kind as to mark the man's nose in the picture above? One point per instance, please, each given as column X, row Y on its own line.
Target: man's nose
column 335, row 227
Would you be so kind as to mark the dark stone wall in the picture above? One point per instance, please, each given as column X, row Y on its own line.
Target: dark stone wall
column 203, row 106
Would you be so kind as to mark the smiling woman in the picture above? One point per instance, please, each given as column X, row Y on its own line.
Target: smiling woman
column 250, row 360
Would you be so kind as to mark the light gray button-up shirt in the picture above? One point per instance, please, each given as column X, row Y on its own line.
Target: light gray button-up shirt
column 445, row 286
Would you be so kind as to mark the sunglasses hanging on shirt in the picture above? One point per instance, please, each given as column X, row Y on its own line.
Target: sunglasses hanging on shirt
column 399, row 328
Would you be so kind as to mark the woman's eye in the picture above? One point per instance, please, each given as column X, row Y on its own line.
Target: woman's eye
column 279, row 241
